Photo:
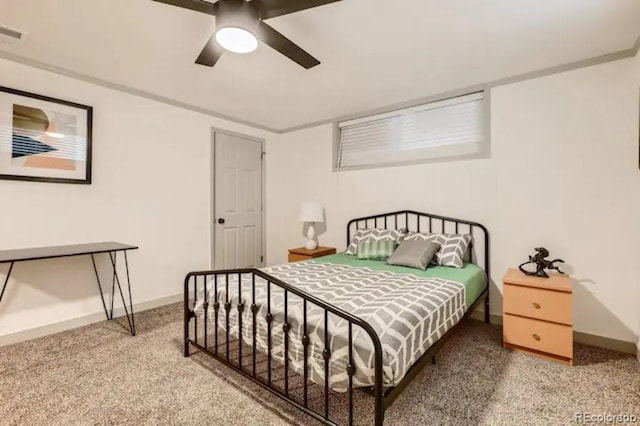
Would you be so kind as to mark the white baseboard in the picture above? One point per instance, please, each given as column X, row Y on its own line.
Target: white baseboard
column 578, row 336
column 57, row 327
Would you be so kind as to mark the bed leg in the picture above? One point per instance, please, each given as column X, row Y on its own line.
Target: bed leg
column 487, row 312
column 433, row 360
column 186, row 336
column 379, row 421
column 187, row 315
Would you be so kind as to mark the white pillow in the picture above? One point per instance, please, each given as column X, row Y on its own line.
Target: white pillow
column 452, row 247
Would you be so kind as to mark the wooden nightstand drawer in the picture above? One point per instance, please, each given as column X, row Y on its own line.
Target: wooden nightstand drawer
column 538, row 303
column 538, row 335
column 293, row 257
column 301, row 253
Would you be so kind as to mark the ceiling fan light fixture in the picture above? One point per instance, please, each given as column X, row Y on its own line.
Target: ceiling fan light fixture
column 236, row 39
column 239, row 25
column 55, row 135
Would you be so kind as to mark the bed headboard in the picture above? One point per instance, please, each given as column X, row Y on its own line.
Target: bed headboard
column 426, row 222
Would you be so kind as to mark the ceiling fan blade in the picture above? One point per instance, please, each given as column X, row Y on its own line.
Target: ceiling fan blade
column 197, row 5
column 210, row 54
column 285, row 46
column 272, row 8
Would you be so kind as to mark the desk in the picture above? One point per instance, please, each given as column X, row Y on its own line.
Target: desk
column 92, row 249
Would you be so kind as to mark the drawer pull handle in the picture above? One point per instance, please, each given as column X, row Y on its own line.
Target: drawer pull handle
column 536, row 305
column 536, row 337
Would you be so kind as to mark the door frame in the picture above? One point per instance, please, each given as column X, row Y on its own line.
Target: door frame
column 212, row 212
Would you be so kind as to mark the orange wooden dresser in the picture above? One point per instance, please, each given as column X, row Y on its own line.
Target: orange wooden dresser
column 538, row 315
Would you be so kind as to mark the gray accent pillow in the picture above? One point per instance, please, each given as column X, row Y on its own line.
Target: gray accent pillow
column 414, row 253
column 372, row 234
column 452, row 247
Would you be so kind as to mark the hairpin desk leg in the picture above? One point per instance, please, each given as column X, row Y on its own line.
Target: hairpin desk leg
column 6, row 280
column 95, row 268
column 133, row 320
column 116, row 279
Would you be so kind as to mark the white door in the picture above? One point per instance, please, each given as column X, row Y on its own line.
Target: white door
column 237, row 202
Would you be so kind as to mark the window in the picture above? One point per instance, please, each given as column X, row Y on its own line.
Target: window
column 447, row 128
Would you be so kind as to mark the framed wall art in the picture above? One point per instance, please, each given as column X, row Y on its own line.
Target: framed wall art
column 44, row 139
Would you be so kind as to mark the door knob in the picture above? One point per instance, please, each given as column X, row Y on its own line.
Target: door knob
column 221, row 221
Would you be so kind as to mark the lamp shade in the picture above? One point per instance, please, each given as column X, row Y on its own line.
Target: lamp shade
column 311, row 212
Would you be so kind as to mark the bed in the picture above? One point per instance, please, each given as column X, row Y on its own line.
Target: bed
column 337, row 321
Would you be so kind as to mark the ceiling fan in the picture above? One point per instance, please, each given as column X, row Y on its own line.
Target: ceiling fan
column 240, row 24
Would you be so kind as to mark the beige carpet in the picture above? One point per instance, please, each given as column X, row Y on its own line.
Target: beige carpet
column 99, row 375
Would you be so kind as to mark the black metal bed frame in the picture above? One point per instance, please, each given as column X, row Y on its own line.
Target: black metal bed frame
column 384, row 397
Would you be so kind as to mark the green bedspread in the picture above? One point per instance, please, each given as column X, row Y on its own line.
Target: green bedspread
column 471, row 276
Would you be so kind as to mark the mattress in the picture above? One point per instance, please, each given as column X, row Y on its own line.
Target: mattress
column 470, row 275
column 408, row 309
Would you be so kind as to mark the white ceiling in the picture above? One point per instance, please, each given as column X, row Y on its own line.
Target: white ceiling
column 373, row 52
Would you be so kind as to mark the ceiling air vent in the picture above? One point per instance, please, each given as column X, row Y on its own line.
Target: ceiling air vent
column 9, row 36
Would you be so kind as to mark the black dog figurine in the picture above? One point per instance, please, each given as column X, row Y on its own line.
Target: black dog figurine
column 541, row 263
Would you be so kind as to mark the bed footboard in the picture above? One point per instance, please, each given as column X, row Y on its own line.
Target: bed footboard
column 217, row 341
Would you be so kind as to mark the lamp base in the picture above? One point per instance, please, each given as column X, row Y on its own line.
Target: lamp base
column 311, row 243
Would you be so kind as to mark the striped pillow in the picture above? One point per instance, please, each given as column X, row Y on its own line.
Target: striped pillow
column 375, row 249
column 371, row 234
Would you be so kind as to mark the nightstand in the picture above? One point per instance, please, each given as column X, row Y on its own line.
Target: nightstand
column 302, row 253
column 538, row 315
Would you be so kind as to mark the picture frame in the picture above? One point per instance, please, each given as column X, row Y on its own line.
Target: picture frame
column 44, row 139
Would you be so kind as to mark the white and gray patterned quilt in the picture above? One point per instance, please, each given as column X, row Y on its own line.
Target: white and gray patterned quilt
column 408, row 313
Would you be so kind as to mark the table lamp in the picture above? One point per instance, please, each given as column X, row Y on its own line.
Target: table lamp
column 312, row 213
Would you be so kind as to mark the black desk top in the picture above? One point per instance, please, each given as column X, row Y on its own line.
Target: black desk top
column 62, row 251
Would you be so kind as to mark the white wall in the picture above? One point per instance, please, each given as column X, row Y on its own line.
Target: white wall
column 563, row 173
column 151, row 187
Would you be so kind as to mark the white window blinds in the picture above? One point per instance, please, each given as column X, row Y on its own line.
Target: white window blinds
column 448, row 128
